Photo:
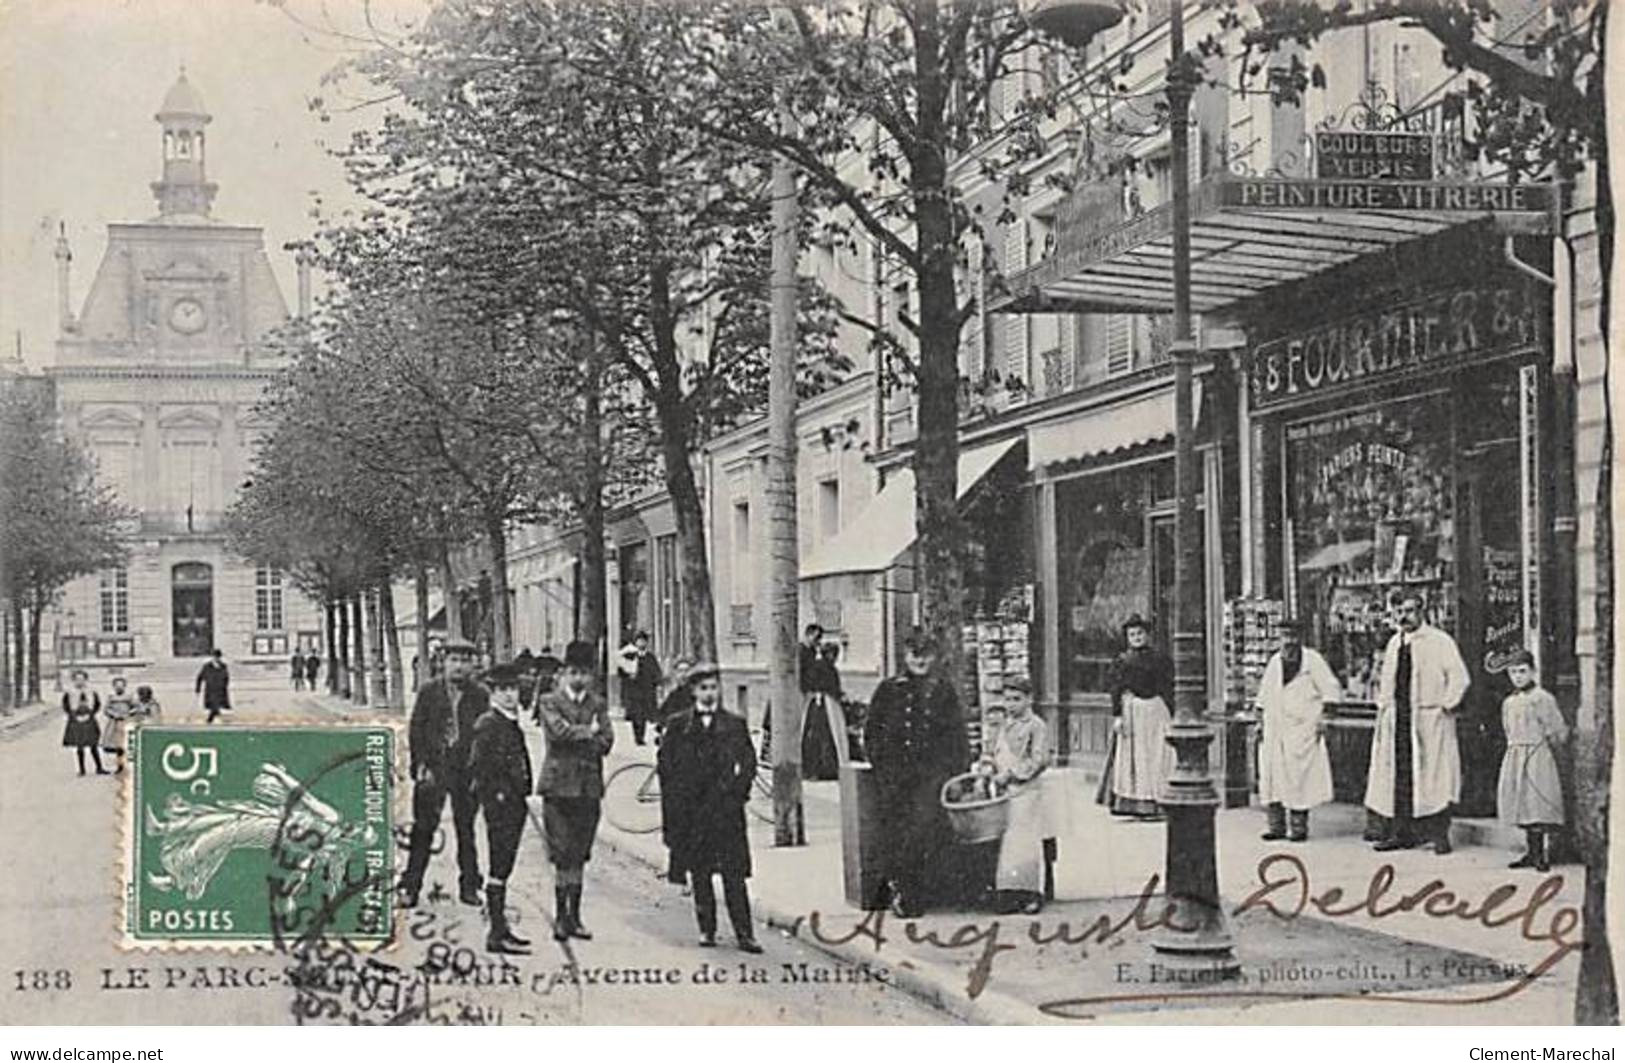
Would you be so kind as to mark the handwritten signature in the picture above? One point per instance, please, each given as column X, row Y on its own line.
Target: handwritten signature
column 1286, row 892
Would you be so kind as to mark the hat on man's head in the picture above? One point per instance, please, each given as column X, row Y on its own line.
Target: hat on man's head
column 451, row 646
column 1291, row 624
column 920, row 642
column 1135, row 620
column 580, row 655
column 1018, row 683
column 704, row 670
column 1520, row 656
column 505, row 674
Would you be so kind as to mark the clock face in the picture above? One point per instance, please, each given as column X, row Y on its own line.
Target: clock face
column 186, row 316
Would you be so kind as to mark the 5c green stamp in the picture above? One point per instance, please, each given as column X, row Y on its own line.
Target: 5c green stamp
column 270, row 836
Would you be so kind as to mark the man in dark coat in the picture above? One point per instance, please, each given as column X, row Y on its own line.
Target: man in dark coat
column 214, row 685
column 439, row 736
column 499, row 769
column 640, row 684
column 707, row 766
column 579, row 736
column 547, row 671
column 916, row 741
column 313, row 668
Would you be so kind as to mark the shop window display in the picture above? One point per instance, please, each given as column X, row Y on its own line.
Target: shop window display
column 1370, row 498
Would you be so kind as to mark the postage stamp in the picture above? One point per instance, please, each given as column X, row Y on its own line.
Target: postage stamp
column 259, row 835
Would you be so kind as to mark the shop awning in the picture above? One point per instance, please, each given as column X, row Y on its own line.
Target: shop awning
column 1249, row 235
column 879, row 535
column 1101, row 431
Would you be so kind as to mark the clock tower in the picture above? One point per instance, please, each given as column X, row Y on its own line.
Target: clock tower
column 182, row 329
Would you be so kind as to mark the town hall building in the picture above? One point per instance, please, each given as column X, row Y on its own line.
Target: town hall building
column 157, row 377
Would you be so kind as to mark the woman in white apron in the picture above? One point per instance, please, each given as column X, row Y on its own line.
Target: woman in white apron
column 1017, row 760
column 1142, row 692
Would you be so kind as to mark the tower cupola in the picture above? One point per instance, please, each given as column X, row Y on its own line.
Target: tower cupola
column 185, row 191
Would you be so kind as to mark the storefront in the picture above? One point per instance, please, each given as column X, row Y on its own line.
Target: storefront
column 1396, row 449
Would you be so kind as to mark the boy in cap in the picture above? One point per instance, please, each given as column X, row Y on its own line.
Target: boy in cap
column 575, row 719
column 499, row 768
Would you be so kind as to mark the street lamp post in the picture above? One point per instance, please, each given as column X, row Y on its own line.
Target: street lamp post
column 1196, row 934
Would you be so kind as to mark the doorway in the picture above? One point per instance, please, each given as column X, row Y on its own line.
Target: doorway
column 192, row 607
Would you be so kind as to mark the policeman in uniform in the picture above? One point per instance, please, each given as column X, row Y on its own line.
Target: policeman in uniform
column 441, row 729
column 575, row 719
column 499, row 768
column 915, row 738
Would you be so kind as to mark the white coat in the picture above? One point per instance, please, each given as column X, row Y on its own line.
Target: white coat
column 1293, row 768
column 1439, row 680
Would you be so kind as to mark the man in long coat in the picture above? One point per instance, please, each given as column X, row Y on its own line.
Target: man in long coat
column 439, row 735
column 579, row 736
column 915, row 738
column 707, row 765
column 1294, row 771
column 640, row 685
column 499, row 771
column 213, row 685
column 1415, row 773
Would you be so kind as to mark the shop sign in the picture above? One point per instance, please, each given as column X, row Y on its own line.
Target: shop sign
column 1374, row 154
column 1431, row 333
column 1390, row 195
column 1091, row 209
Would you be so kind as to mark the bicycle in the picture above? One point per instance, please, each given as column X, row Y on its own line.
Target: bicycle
column 641, row 814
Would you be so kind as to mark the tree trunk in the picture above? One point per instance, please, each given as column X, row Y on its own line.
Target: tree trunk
column 19, row 675
column 358, row 655
column 6, row 699
column 420, row 590
column 593, row 588
column 375, row 632
column 496, row 537
column 35, row 615
column 392, row 644
column 448, row 593
column 940, row 531
column 331, row 633
column 783, row 567
column 343, row 608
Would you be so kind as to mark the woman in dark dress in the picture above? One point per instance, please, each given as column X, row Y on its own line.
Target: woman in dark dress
column 820, row 756
column 1142, row 680
column 81, row 731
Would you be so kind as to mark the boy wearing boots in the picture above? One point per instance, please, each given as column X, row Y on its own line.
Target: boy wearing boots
column 575, row 718
column 1530, row 794
column 499, row 770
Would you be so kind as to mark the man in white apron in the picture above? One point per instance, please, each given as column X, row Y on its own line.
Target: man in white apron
column 1294, row 772
column 1415, row 774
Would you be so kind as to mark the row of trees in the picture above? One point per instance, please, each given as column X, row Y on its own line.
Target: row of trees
column 561, row 282
column 56, row 524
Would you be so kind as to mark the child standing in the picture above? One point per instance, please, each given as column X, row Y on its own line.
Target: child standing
column 81, row 732
column 1530, row 794
column 145, row 709
column 118, row 709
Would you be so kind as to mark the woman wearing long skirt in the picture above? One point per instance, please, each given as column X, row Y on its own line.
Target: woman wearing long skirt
column 1019, row 756
column 117, row 710
column 1530, row 790
column 1142, row 691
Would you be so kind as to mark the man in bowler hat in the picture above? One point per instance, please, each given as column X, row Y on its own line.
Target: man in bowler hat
column 499, row 769
column 439, row 736
column 575, row 718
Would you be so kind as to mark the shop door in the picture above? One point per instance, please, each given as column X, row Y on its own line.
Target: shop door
column 1163, row 548
column 192, row 609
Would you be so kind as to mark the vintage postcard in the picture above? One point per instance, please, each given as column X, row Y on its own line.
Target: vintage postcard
column 818, row 512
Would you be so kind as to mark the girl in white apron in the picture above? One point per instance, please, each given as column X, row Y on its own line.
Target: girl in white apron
column 1530, row 793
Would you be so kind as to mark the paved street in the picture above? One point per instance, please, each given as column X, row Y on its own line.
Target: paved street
column 59, row 834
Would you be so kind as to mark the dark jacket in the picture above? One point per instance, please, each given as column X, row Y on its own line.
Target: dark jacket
column 705, row 779
column 807, row 660
column 499, row 763
column 313, row 666
column 428, row 731
column 914, row 731
column 678, row 702
column 574, row 765
column 215, row 682
column 296, row 667
column 639, row 689
column 1145, row 673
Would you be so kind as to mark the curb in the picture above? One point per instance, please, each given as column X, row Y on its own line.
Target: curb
column 22, row 716
column 934, row 984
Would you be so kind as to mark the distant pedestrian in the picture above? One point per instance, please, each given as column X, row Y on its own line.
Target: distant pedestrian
column 1530, row 793
column 499, row 771
column 707, row 765
column 438, row 737
column 313, row 668
column 640, row 684
column 823, row 726
column 1142, row 679
column 1415, row 772
column 579, row 736
column 81, row 705
column 213, row 685
column 146, row 708
column 117, row 710
column 296, row 670
column 1294, row 770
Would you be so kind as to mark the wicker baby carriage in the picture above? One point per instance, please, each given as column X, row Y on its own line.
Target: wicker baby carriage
column 978, row 809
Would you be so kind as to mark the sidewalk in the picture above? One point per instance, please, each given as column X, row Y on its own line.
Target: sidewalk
column 1429, row 963
column 21, row 716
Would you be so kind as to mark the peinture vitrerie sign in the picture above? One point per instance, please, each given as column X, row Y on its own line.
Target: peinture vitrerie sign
column 1430, row 332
